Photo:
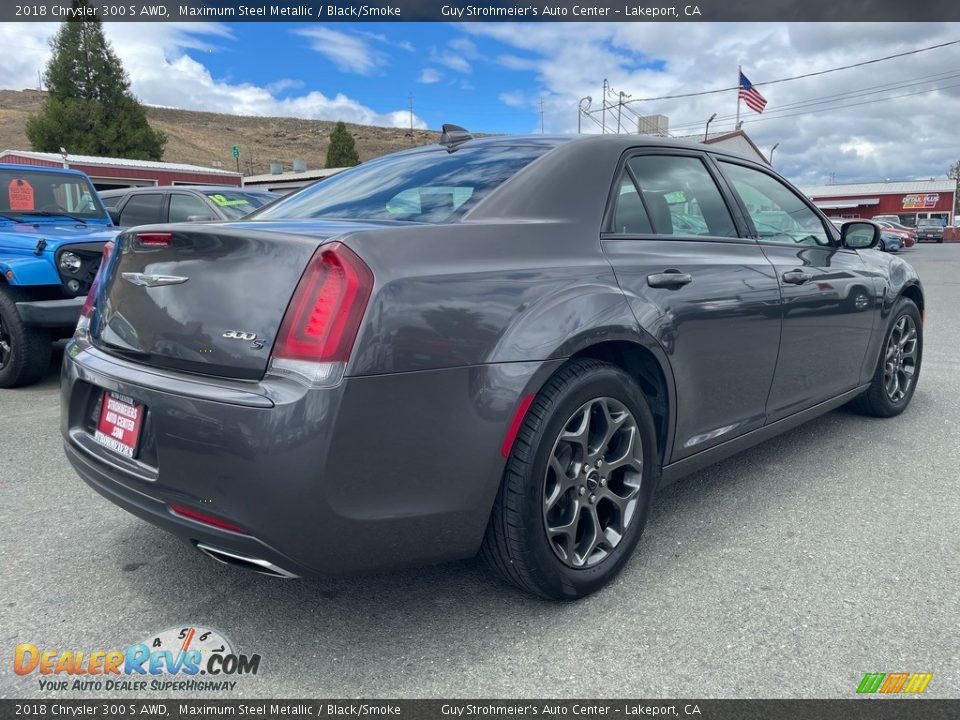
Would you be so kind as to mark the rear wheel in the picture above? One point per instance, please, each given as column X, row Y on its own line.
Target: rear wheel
column 24, row 351
column 898, row 369
column 578, row 484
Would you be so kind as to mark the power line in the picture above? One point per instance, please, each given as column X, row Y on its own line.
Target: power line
column 824, row 99
column 798, row 77
column 850, row 105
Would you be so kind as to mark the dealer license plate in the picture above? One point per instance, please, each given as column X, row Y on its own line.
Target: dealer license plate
column 119, row 424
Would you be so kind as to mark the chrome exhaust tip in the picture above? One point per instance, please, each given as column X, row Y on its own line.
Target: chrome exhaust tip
column 247, row 562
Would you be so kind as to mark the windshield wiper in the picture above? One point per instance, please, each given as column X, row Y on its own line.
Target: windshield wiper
column 45, row 213
column 11, row 218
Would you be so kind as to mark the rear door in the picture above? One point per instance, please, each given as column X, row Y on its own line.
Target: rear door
column 709, row 296
column 142, row 209
column 829, row 296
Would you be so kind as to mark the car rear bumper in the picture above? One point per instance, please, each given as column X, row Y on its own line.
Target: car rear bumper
column 51, row 313
column 380, row 471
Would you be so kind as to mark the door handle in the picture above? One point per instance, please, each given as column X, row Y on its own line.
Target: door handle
column 797, row 277
column 669, row 279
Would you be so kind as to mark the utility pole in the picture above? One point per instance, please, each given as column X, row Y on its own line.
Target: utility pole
column 620, row 109
column 606, row 88
column 541, row 114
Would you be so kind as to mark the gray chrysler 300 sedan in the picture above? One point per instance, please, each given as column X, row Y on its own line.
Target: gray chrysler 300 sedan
column 499, row 345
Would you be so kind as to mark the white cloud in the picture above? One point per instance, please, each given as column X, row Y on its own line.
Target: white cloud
column 428, row 76
column 899, row 137
column 162, row 73
column 350, row 53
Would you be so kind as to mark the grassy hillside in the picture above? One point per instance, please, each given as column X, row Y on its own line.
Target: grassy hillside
column 201, row 137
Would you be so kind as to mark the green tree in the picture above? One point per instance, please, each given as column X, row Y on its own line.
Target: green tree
column 89, row 108
column 342, row 152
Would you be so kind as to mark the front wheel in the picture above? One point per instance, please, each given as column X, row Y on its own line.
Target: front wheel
column 578, row 484
column 898, row 368
column 24, row 351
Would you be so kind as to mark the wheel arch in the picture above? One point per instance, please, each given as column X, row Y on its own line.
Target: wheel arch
column 653, row 377
column 913, row 292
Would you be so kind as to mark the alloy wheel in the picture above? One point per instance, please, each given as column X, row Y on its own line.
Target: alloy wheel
column 900, row 359
column 592, row 482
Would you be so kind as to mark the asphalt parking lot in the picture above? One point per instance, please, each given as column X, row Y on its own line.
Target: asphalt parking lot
column 787, row 571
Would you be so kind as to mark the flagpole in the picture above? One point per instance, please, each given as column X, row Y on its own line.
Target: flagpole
column 739, row 74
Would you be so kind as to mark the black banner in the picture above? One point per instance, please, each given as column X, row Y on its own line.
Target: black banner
column 495, row 10
column 853, row 709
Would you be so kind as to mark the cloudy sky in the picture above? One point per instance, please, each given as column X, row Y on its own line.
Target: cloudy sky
column 895, row 119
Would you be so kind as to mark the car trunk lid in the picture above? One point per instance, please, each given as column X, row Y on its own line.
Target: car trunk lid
column 209, row 300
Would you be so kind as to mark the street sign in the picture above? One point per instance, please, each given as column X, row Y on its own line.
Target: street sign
column 236, row 151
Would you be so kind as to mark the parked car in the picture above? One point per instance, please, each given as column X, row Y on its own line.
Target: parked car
column 929, row 230
column 52, row 233
column 182, row 203
column 907, row 237
column 456, row 349
column 889, row 241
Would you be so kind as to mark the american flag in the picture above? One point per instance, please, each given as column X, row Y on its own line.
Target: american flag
column 748, row 93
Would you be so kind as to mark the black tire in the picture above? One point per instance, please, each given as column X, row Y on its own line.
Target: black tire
column 516, row 545
column 25, row 352
column 877, row 401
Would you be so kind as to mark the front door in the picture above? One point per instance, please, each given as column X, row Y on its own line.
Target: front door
column 830, row 300
column 709, row 297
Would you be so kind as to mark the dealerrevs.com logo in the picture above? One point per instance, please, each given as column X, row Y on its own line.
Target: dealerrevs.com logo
column 894, row 683
column 187, row 659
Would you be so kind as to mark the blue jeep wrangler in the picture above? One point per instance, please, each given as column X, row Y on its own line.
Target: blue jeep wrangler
column 52, row 231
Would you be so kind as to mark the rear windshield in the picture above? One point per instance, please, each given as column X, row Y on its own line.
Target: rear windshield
column 235, row 204
column 430, row 187
column 29, row 192
column 928, row 222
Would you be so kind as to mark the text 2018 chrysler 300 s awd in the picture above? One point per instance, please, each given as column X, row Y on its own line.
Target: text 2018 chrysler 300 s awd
column 500, row 345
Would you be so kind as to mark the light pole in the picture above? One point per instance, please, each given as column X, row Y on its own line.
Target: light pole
column 775, row 146
column 582, row 108
column 706, row 130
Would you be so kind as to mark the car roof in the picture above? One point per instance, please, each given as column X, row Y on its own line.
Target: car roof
column 42, row 168
column 611, row 140
column 179, row 188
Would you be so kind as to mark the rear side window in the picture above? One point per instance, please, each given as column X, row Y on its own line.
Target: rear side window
column 184, row 207
column 141, row 210
column 629, row 215
column 680, row 196
column 431, row 187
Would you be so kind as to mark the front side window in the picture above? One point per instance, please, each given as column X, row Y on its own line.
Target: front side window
column 430, row 187
column 681, row 197
column 778, row 213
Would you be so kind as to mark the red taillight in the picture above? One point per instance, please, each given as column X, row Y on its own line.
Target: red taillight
column 87, row 310
column 155, row 239
column 205, row 519
column 323, row 318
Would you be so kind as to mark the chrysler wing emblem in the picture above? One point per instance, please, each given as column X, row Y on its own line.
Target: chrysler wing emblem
column 146, row 280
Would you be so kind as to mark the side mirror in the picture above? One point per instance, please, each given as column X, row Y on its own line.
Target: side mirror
column 199, row 218
column 114, row 215
column 858, row 235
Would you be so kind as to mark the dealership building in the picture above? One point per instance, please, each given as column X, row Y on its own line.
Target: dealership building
column 111, row 173
column 910, row 200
